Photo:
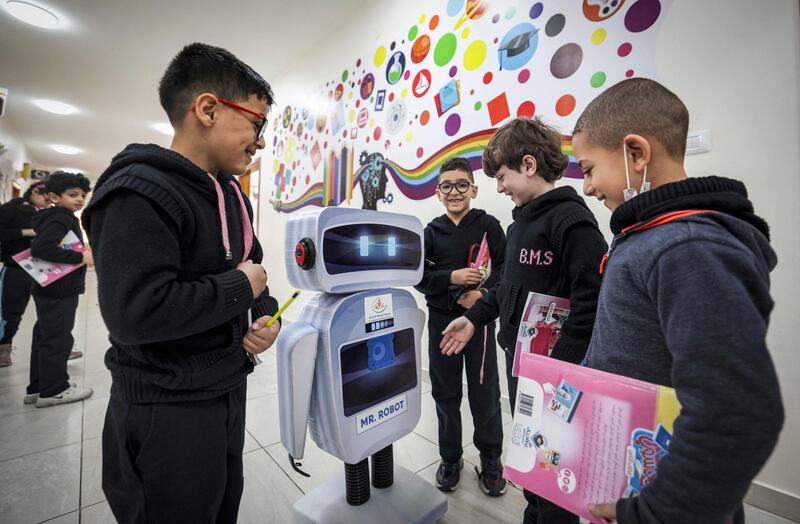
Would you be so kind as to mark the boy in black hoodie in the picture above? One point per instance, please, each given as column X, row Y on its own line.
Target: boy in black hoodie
column 685, row 303
column 57, row 303
column 16, row 233
column 553, row 247
column 452, row 242
column 178, row 276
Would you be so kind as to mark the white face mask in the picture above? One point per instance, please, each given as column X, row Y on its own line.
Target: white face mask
column 629, row 192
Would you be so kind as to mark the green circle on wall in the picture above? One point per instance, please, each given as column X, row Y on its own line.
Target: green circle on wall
column 445, row 49
column 598, row 79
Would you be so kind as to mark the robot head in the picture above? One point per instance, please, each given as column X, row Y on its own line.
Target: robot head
column 342, row 250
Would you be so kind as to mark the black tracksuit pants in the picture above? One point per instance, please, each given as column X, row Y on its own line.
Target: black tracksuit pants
column 484, row 399
column 51, row 345
column 17, row 287
column 175, row 462
column 539, row 510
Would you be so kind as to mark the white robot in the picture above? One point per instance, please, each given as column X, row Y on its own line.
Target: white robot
column 349, row 368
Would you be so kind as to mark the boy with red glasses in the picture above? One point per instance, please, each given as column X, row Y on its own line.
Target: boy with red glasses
column 178, row 269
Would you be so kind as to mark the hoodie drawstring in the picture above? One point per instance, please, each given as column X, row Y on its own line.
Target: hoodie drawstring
column 223, row 217
column 248, row 227
column 483, row 359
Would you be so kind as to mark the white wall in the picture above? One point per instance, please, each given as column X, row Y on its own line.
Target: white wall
column 735, row 64
column 12, row 160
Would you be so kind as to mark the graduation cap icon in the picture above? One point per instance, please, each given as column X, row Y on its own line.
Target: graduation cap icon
column 517, row 45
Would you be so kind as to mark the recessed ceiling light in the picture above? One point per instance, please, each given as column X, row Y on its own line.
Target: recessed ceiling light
column 54, row 106
column 161, row 127
column 67, row 150
column 34, row 13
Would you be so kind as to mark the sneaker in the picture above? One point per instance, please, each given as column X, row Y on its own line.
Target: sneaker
column 75, row 354
column 5, row 355
column 72, row 394
column 448, row 476
column 490, row 476
column 30, row 398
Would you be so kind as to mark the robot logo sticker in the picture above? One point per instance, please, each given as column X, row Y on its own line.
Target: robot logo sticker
column 379, row 307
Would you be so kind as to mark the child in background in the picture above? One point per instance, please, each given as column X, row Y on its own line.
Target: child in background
column 553, row 247
column 16, row 233
column 685, row 303
column 178, row 269
column 57, row 303
column 452, row 242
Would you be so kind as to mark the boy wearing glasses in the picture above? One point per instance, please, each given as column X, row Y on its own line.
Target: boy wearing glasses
column 178, row 269
column 452, row 243
column 554, row 248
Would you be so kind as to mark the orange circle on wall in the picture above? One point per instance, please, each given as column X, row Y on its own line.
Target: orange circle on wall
column 565, row 105
column 424, row 117
column 434, row 23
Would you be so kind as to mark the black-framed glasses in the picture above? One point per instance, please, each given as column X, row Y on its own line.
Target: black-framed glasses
column 462, row 186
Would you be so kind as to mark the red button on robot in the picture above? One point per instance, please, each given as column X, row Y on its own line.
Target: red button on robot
column 304, row 253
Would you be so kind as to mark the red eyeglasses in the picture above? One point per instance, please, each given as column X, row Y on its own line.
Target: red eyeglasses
column 260, row 126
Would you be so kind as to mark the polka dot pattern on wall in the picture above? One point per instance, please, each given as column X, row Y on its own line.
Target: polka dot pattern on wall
column 565, row 105
column 445, row 49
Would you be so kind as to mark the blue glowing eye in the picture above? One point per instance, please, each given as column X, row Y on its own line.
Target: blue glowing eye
column 364, row 247
column 392, row 247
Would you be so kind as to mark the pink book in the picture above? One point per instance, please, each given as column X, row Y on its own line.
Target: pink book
column 483, row 262
column 45, row 273
column 540, row 326
column 582, row 436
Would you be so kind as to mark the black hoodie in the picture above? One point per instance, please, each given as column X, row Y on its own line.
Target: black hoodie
column 51, row 226
column 15, row 215
column 171, row 297
column 448, row 247
column 553, row 247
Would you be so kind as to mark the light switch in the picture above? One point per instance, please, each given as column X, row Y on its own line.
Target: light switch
column 698, row 142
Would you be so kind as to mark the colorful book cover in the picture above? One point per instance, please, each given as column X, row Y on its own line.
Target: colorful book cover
column 482, row 262
column 582, row 436
column 45, row 273
column 540, row 326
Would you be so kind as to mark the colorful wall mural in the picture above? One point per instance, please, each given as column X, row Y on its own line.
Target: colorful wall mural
column 438, row 89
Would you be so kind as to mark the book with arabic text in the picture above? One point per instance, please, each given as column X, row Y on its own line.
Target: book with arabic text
column 582, row 436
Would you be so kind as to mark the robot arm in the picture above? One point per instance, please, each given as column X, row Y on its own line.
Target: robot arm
column 296, row 354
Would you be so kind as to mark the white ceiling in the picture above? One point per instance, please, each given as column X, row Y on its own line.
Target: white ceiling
column 109, row 61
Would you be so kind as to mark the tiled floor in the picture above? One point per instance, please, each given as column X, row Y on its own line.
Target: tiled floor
column 50, row 458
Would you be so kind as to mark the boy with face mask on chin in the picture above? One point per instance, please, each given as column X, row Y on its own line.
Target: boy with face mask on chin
column 685, row 303
column 452, row 242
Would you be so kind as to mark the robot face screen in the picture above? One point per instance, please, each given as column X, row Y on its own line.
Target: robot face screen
column 366, row 247
column 377, row 369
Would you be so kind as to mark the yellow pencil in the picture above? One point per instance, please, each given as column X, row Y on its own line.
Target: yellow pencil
column 282, row 309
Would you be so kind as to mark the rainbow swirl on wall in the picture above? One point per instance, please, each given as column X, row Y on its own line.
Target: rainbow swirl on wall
column 419, row 183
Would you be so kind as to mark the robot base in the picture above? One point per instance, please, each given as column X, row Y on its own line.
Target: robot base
column 409, row 500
